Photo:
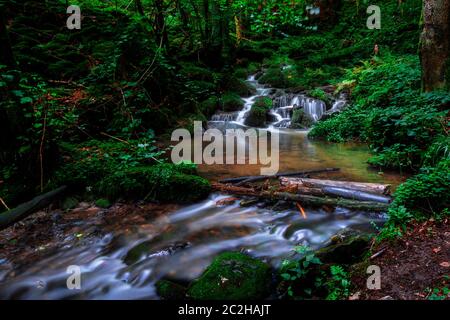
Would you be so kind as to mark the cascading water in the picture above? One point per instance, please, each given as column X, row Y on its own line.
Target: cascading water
column 281, row 113
column 314, row 108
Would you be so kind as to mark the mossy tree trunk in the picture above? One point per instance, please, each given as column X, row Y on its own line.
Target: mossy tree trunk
column 435, row 45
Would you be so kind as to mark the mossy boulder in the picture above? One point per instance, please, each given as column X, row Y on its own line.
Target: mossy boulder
column 233, row 276
column 69, row 203
column 346, row 247
column 231, row 102
column 100, row 166
column 301, row 120
column 238, row 86
column 169, row 290
column 258, row 114
column 209, row 106
column 162, row 182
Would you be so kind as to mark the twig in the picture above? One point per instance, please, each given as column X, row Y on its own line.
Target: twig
column 378, row 253
column 4, row 204
column 115, row 138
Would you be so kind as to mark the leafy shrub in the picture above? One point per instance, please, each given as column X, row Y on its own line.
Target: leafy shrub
column 319, row 94
column 309, row 278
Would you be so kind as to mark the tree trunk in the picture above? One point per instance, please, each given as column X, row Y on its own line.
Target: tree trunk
column 160, row 24
column 435, row 45
column 6, row 53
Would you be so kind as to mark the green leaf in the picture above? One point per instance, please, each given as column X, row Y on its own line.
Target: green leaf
column 25, row 100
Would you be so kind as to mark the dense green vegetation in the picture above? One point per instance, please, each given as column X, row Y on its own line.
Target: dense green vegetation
column 93, row 108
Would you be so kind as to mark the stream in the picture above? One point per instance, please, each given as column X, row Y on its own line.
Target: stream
column 181, row 244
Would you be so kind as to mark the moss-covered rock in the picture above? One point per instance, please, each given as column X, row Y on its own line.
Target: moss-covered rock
column 238, row 86
column 345, row 248
column 301, row 120
column 162, row 182
column 69, row 203
column 231, row 102
column 111, row 171
column 209, row 106
column 233, row 276
column 169, row 290
column 258, row 114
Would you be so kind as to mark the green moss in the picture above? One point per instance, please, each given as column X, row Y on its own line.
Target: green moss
column 162, row 182
column 300, row 120
column 319, row 94
column 257, row 116
column 115, row 169
column 103, row 203
column 169, row 290
column 238, row 86
column 209, row 106
column 273, row 77
column 231, row 102
column 232, row 276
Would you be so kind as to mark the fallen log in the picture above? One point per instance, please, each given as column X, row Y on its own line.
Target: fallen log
column 281, row 174
column 376, row 188
column 306, row 200
column 8, row 218
column 356, row 194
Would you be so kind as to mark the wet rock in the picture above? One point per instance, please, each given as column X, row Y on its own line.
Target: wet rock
column 248, row 202
column 346, row 247
column 69, row 203
column 257, row 116
column 169, row 290
column 233, row 276
column 146, row 249
column 226, row 202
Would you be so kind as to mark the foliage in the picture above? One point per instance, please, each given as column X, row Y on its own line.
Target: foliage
column 318, row 93
column 310, row 278
column 423, row 196
column 398, row 123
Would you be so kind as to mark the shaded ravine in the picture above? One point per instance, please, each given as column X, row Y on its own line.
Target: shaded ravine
column 181, row 244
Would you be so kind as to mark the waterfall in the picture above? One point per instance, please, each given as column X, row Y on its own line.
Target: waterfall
column 283, row 106
column 314, row 108
column 338, row 105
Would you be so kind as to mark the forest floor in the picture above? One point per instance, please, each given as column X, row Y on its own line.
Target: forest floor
column 412, row 266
